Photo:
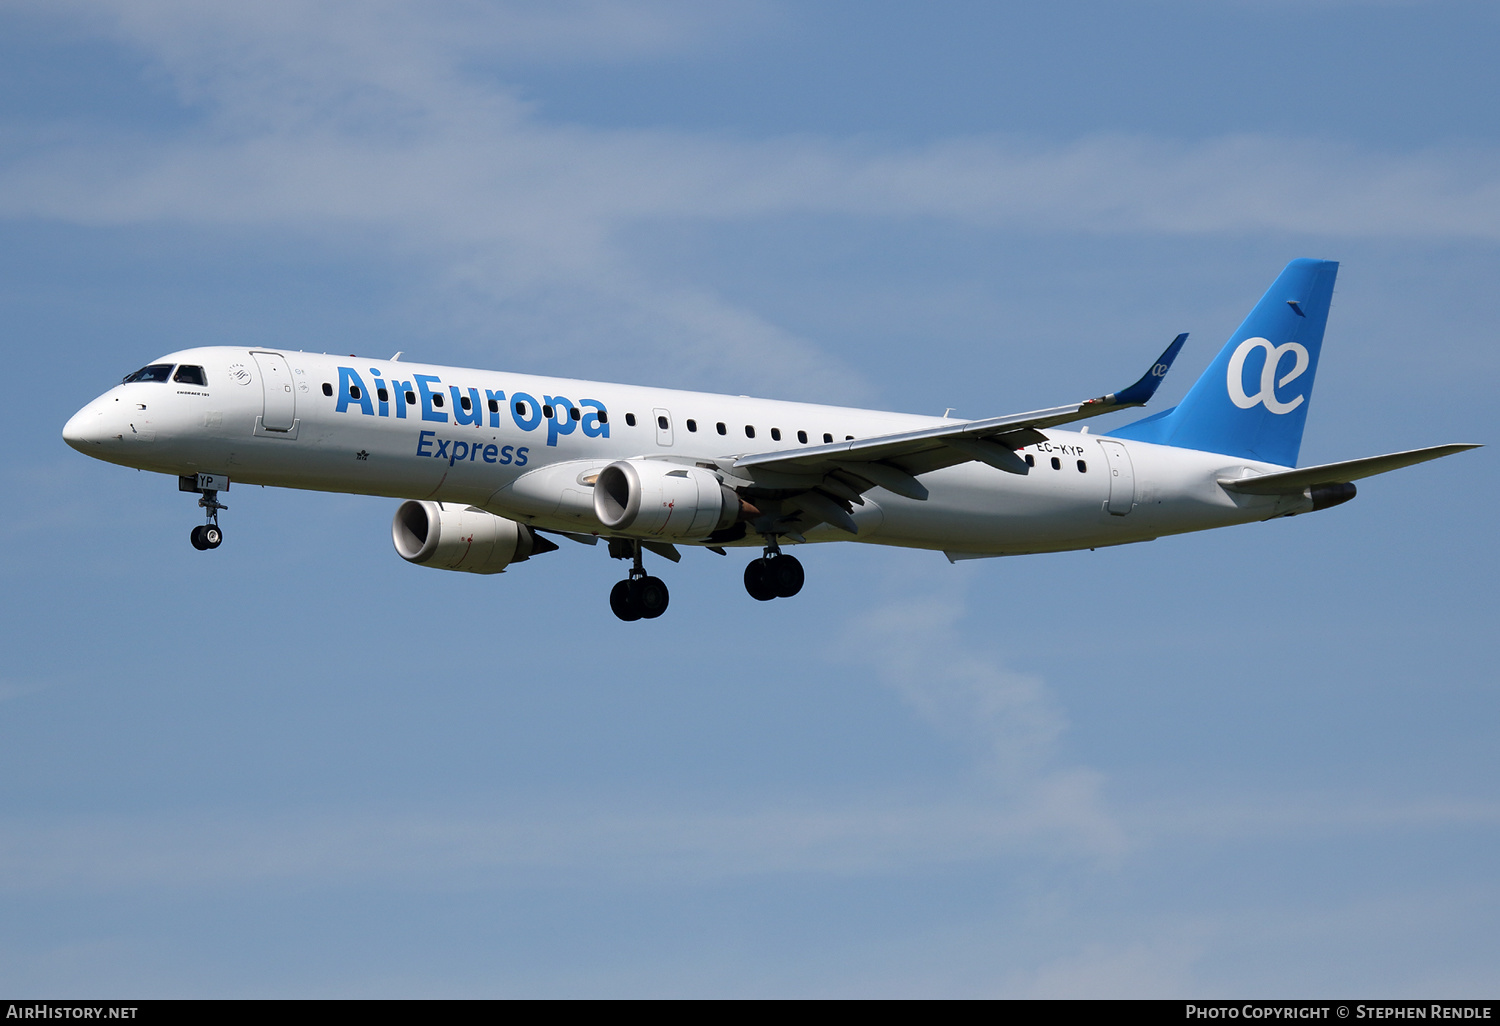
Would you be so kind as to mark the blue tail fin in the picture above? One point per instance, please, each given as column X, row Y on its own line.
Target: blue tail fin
column 1252, row 401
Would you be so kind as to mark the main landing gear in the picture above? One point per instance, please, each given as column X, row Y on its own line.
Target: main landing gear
column 643, row 597
column 773, row 575
column 209, row 535
column 640, row 596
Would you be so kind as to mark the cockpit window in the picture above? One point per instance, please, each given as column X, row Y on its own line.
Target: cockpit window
column 155, row 372
column 187, row 374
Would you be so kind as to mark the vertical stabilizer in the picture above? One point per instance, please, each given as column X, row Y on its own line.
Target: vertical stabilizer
column 1252, row 401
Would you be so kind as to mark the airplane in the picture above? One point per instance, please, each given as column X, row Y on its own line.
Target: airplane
column 491, row 466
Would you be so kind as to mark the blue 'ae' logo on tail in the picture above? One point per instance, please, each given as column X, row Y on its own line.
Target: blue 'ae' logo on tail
column 1252, row 401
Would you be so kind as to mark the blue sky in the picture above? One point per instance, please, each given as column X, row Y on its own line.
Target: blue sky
column 1254, row 762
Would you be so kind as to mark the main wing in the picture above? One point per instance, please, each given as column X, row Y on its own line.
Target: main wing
column 894, row 461
column 822, row 483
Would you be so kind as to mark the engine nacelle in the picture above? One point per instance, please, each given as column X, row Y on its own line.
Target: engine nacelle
column 663, row 500
column 452, row 537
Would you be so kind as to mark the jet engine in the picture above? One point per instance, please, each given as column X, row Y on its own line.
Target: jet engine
column 452, row 537
column 663, row 500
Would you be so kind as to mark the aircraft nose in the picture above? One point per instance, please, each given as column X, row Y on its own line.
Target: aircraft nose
column 86, row 428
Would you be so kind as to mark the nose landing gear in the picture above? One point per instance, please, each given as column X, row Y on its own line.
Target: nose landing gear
column 773, row 575
column 640, row 596
column 209, row 535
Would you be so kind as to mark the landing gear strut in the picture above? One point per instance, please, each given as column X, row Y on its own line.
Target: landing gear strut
column 640, row 596
column 773, row 575
column 209, row 535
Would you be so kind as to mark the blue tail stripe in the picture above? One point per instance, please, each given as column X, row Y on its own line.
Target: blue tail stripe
column 1252, row 401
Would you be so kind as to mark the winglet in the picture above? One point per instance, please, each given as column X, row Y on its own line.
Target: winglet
column 1141, row 392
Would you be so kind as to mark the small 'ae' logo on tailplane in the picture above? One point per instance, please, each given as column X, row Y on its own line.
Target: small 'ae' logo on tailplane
column 1266, row 394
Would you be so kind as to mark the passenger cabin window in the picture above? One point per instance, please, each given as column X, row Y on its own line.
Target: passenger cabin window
column 437, row 400
column 1056, row 463
column 630, row 419
column 802, row 437
column 327, row 389
column 776, row 434
column 719, row 427
column 411, row 398
column 574, row 414
column 463, row 401
column 692, row 425
column 382, row 394
column 827, row 438
column 187, row 374
column 749, row 430
column 155, row 372
column 354, row 392
column 494, row 405
column 603, row 417
column 661, row 422
column 1030, row 460
column 520, row 409
column 547, row 412
column 1083, row 468
column 848, row 438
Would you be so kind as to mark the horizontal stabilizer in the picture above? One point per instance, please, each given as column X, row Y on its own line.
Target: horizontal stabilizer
column 1293, row 481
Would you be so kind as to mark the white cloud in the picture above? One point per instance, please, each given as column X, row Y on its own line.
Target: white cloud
column 1130, row 970
column 20, row 688
column 390, row 128
column 1250, row 817
column 1018, row 802
column 1008, row 719
column 434, row 850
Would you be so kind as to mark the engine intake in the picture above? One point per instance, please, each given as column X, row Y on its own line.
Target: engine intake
column 451, row 537
column 663, row 500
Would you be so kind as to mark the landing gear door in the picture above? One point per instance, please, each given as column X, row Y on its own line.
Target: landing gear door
column 281, row 397
column 1121, row 477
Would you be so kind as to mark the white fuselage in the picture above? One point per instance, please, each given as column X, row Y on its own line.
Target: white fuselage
column 299, row 427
